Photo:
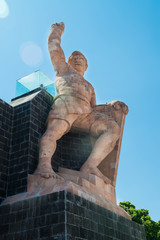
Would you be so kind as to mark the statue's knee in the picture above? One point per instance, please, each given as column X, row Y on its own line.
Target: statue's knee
column 98, row 128
column 110, row 127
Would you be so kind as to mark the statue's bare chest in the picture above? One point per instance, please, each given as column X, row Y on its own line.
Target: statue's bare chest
column 73, row 82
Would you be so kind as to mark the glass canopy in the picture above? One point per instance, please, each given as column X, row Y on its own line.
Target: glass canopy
column 32, row 81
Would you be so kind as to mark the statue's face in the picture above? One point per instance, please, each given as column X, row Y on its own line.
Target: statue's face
column 78, row 62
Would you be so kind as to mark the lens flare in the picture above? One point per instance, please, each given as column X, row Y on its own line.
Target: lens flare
column 31, row 54
column 4, row 10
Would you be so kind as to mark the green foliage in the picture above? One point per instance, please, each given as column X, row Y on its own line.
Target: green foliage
column 142, row 217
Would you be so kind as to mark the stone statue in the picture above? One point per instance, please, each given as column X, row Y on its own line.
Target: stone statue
column 75, row 108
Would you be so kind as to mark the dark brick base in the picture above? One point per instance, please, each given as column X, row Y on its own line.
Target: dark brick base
column 64, row 216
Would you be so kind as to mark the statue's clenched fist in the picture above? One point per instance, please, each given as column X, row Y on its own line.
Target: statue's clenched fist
column 58, row 26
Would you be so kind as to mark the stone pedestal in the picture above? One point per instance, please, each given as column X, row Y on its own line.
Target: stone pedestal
column 87, row 186
column 63, row 215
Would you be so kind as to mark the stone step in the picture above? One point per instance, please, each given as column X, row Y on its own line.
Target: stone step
column 90, row 177
column 97, row 188
column 95, row 184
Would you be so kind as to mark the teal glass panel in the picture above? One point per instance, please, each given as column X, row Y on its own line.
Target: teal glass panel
column 20, row 89
column 51, row 89
column 34, row 80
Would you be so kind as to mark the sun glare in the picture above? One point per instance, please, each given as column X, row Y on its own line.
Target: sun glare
column 31, row 54
column 4, row 10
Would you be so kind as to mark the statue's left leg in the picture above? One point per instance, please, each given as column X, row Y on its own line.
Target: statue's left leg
column 108, row 133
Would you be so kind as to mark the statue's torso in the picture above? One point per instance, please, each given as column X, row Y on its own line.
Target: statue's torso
column 74, row 84
column 74, row 94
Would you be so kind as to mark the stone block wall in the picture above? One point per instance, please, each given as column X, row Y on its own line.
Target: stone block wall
column 64, row 216
column 87, row 220
column 72, row 151
column 27, row 128
column 6, row 116
column 17, row 167
column 37, row 218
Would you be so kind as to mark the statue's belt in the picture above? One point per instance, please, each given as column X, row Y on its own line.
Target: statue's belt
column 68, row 95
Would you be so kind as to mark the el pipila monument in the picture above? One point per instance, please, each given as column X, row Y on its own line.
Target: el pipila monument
column 60, row 159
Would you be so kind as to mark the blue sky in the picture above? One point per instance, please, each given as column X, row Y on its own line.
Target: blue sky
column 121, row 40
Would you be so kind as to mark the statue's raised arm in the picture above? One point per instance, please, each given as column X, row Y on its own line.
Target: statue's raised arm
column 55, row 50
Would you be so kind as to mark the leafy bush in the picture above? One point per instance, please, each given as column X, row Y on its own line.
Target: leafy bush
column 142, row 217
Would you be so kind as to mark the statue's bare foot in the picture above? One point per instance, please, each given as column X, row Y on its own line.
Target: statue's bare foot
column 95, row 171
column 46, row 172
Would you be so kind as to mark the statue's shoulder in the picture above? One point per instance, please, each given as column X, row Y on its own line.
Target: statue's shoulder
column 63, row 69
column 89, row 84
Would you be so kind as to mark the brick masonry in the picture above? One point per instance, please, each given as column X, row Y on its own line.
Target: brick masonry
column 6, row 115
column 64, row 215
column 72, row 151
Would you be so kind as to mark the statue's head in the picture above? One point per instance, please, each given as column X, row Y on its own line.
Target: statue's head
column 78, row 61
